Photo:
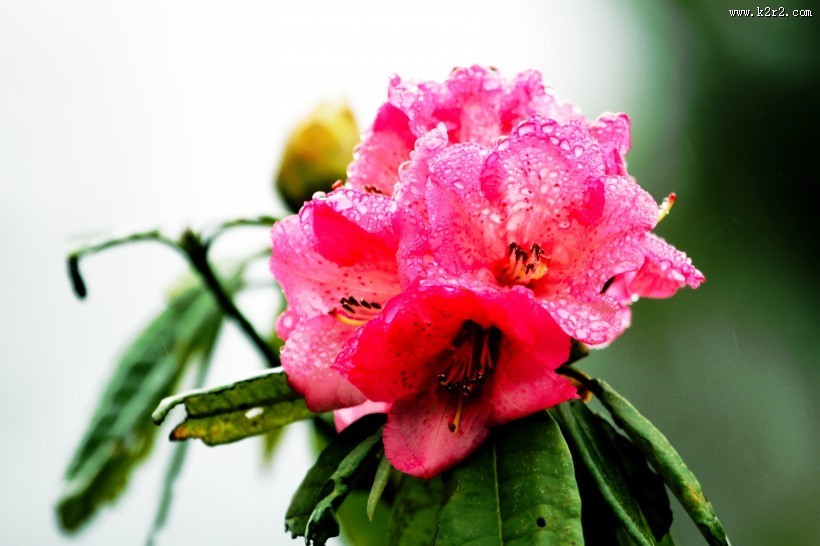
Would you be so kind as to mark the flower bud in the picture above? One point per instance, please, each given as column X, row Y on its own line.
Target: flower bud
column 317, row 153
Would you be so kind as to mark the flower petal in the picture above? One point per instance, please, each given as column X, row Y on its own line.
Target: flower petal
column 665, row 270
column 612, row 133
column 417, row 438
column 344, row 417
column 383, row 148
column 306, row 358
column 320, row 258
column 596, row 320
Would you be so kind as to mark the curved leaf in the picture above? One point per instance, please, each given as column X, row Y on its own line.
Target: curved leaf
column 665, row 459
column 519, row 490
column 602, row 461
column 383, row 472
column 232, row 412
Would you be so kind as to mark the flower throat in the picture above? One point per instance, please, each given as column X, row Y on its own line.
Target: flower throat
column 472, row 355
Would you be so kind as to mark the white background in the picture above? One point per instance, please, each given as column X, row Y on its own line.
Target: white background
column 118, row 115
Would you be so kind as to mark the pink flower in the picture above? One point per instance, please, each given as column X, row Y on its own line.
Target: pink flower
column 483, row 225
column 336, row 263
column 550, row 209
column 454, row 359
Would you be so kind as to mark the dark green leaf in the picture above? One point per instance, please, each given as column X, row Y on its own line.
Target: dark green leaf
column 646, row 486
column 413, row 519
column 602, row 461
column 323, row 523
column 310, row 490
column 121, row 432
column 232, row 412
column 519, row 490
column 665, row 460
column 379, row 483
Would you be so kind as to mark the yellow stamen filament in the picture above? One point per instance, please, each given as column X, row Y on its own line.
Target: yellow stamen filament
column 453, row 425
column 666, row 206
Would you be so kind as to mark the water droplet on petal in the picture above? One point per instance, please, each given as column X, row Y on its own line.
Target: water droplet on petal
column 578, row 151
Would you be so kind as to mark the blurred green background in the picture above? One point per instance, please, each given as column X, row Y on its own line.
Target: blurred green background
column 730, row 372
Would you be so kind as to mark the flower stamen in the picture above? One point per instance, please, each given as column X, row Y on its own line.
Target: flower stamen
column 472, row 355
column 666, row 206
column 355, row 312
column 524, row 266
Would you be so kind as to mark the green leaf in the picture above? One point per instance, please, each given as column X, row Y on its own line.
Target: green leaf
column 379, row 483
column 177, row 459
column 232, row 412
column 323, row 523
column 413, row 519
column 665, row 459
column 646, row 486
column 519, row 490
column 357, row 530
column 602, row 460
column 121, row 432
column 311, row 490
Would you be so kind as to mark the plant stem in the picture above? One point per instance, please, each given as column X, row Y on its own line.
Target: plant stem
column 197, row 254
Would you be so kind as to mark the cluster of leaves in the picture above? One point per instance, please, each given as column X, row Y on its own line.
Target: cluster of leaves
column 566, row 476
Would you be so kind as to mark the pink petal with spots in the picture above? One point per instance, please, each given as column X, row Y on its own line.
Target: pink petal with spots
column 417, row 438
column 383, row 148
column 313, row 282
column 306, row 358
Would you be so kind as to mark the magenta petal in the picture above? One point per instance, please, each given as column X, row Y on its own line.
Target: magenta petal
column 417, row 439
column 665, row 270
column 350, row 227
column 306, row 358
column 377, row 158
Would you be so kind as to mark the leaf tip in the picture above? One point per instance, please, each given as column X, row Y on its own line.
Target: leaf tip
column 77, row 282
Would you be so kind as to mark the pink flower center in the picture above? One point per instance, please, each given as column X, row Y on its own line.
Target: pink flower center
column 355, row 312
column 468, row 360
column 522, row 266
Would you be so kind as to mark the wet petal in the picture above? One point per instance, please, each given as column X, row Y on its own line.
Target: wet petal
column 665, row 270
column 613, row 136
column 306, row 358
column 417, row 437
column 383, row 148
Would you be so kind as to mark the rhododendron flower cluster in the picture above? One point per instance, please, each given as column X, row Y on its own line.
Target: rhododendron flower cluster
column 484, row 224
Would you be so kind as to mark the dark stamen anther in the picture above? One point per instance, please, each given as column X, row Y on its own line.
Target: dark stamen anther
column 366, row 305
column 346, row 307
column 375, row 305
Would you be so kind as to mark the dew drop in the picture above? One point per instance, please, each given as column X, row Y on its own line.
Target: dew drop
column 578, row 151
